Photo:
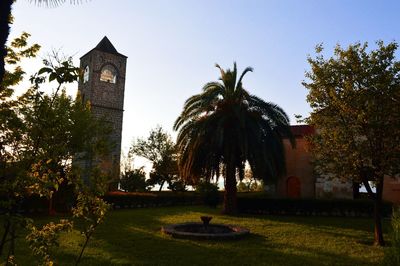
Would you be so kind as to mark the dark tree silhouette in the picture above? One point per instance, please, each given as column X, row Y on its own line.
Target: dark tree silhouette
column 5, row 13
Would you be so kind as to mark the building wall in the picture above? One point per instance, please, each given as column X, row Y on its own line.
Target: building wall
column 333, row 188
column 298, row 165
column 391, row 189
column 300, row 169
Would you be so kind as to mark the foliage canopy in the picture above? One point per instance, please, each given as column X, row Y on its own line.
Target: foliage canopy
column 355, row 98
column 160, row 149
column 39, row 135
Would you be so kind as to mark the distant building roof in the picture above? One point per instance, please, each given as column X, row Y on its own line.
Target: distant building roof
column 105, row 46
column 302, row 130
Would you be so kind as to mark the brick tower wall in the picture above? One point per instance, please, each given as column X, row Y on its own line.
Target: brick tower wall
column 106, row 98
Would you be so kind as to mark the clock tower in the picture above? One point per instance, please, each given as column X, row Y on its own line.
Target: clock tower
column 103, row 85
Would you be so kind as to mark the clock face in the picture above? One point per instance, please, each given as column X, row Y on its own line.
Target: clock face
column 86, row 74
column 108, row 74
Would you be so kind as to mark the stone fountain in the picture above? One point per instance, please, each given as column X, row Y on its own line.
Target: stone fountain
column 205, row 230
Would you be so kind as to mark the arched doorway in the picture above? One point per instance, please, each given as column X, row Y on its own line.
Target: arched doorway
column 293, row 187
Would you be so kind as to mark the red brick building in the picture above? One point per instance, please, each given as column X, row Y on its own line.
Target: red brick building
column 301, row 181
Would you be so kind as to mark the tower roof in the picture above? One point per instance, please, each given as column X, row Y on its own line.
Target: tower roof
column 106, row 46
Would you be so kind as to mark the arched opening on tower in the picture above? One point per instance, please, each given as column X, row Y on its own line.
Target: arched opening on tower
column 86, row 74
column 108, row 74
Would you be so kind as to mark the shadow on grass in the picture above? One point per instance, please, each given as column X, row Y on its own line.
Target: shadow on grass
column 153, row 250
column 134, row 238
column 362, row 223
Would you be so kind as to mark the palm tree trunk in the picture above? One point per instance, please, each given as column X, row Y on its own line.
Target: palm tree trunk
column 230, row 204
column 5, row 12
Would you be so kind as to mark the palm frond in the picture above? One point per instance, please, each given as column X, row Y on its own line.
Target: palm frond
column 247, row 69
column 221, row 70
column 55, row 3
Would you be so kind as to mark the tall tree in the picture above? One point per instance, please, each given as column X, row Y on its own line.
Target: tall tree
column 39, row 135
column 225, row 126
column 5, row 21
column 161, row 151
column 355, row 99
column 11, row 131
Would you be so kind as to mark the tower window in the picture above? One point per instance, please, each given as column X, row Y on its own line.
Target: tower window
column 108, row 74
column 86, row 74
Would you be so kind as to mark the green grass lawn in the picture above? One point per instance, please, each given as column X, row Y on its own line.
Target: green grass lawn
column 133, row 237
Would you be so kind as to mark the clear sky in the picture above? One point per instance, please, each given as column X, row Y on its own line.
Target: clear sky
column 172, row 45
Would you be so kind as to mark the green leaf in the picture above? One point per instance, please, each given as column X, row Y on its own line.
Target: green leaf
column 44, row 70
column 52, row 76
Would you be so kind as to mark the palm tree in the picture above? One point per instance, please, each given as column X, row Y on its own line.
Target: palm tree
column 5, row 16
column 224, row 127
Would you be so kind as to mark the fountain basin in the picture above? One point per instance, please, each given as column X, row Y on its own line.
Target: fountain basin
column 200, row 231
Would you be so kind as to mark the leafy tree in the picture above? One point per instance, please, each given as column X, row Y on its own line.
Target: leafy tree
column 161, row 151
column 40, row 134
column 41, row 240
column 355, row 98
column 9, row 119
column 224, row 127
column 6, row 20
column 134, row 180
column 11, row 135
column 70, row 130
column 90, row 209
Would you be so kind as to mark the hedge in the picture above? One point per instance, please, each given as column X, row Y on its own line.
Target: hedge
column 125, row 200
column 310, row 207
column 39, row 205
column 31, row 204
column 250, row 203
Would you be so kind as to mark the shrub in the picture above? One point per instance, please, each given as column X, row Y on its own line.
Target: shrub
column 392, row 254
column 134, row 181
column 177, row 186
column 209, row 193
